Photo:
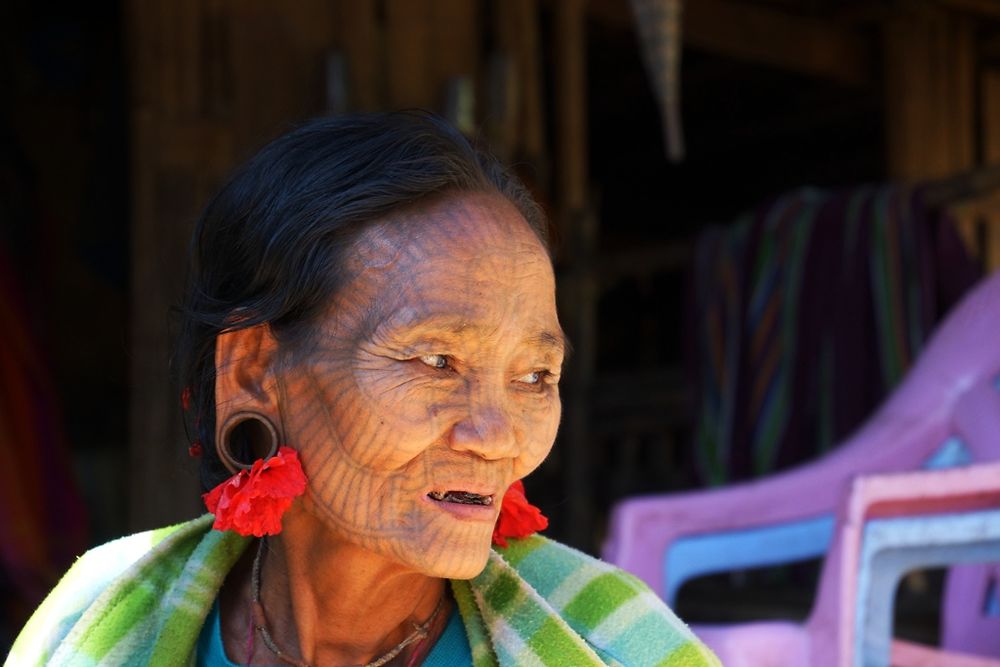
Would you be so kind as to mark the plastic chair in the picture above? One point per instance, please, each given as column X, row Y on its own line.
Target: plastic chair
column 945, row 413
column 893, row 524
column 915, row 655
column 975, row 626
column 887, row 525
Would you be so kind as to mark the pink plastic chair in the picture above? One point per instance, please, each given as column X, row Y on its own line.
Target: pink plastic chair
column 974, row 627
column 915, row 655
column 891, row 524
column 947, row 411
column 957, row 509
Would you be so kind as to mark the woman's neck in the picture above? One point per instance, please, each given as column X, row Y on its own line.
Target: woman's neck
column 329, row 602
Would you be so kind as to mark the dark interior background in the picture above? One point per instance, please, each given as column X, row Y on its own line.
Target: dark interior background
column 68, row 164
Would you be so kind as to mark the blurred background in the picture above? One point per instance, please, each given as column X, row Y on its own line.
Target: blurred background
column 762, row 208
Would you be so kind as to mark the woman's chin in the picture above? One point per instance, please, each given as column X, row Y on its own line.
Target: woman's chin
column 459, row 562
column 469, row 569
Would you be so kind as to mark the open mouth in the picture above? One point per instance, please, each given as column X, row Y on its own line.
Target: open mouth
column 460, row 497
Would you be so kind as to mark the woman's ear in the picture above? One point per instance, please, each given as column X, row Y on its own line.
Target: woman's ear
column 244, row 374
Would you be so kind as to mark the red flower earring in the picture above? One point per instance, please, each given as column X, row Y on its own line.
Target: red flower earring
column 518, row 518
column 253, row 500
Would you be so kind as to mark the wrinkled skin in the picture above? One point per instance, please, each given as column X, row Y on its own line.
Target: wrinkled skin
column 378, row 425
column 435, row 368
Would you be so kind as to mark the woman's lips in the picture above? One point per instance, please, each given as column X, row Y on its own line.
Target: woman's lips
column 461, row 497
column 463, row 504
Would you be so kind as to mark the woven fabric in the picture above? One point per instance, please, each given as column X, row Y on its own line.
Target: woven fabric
column 143, row 599
column 539, row 602
column 805, row 314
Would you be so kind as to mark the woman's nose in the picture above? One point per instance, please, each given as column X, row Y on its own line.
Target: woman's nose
column 487, row 431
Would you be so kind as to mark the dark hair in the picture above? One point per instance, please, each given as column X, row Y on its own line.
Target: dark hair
column 269, row 245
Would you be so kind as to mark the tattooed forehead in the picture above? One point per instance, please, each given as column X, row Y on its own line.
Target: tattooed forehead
column 462, row 258
column 468, row 223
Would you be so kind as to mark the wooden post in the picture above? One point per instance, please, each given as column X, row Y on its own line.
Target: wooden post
column 361, row 42
column 929, row 93
column 990, row 118
column 571, row 100
column 990, row 115
column 406, row 32
column 429, row 43
column 163, row 89
column 579, row 227
column 521, row 135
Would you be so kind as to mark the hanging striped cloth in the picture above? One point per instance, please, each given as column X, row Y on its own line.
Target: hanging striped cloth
column 807, row 312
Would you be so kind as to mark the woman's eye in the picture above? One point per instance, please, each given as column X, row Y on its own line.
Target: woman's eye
column 534, row 377
column 435, row 360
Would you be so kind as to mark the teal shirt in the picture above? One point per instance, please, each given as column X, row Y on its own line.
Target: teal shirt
column 451, row 650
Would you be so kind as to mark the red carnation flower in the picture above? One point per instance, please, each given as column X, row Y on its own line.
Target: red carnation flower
column 518, row 517
column 252, row 502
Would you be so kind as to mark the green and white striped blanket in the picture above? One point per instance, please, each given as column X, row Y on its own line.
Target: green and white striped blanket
column 142, row 600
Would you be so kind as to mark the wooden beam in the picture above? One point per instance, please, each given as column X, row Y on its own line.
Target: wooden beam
column 769, row 37
column 757, row 34
column 982, row 8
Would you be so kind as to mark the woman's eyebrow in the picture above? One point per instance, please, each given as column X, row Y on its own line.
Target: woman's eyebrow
column 449, row 324
column 548, row 339
column 395, row 327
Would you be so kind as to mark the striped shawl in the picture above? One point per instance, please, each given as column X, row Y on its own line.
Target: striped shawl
column 142, row 600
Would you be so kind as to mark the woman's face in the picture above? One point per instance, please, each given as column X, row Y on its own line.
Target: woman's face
column 433, row 385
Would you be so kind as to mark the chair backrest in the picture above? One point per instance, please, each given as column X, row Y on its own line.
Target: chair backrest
column 892, row 520
column 946, row 412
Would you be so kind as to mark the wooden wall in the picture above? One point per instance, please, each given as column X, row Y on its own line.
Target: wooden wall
column 942, row 106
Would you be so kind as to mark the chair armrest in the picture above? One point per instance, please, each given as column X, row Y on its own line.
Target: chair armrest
column 644, row 529
column 666, row 540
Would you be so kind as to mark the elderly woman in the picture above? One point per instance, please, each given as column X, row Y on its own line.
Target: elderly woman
column 372, row 355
